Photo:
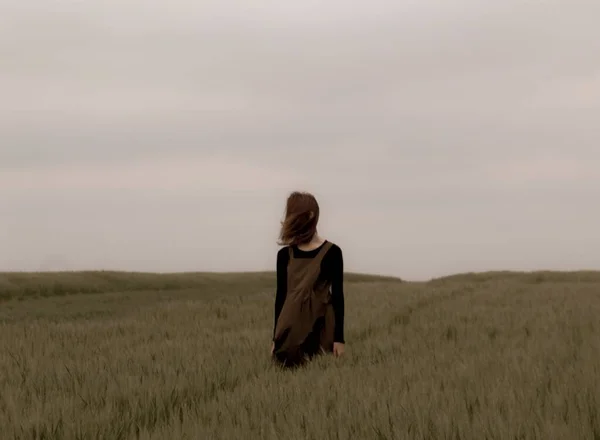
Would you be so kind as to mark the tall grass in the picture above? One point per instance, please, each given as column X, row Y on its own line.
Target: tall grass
column 471, row 357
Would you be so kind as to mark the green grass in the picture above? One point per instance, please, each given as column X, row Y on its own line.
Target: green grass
column 22, row 285
column 109, row 355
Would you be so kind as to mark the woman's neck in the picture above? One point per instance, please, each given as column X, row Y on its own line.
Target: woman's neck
column 313, row 244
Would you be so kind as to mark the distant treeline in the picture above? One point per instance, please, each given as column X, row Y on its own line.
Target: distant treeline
column 21, row 285
column 40, row 284
column 584, row 276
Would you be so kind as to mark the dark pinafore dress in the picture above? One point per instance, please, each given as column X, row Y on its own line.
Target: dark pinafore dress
column 305, row 326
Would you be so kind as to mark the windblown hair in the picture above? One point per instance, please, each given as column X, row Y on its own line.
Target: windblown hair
column 301, row 218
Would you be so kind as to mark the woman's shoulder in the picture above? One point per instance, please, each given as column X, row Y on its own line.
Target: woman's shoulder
column 334, row 249
column 334, row 256
column 334, row 245
column 283, row 252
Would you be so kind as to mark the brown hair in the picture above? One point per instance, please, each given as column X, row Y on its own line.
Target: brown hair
column 301, row 218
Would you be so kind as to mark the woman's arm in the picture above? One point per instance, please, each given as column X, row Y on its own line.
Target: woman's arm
column 282, row 261
column 337, row 292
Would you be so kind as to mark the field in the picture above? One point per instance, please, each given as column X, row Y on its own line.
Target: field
column 103, row 355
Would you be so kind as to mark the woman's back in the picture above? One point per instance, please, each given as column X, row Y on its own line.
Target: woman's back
column 309, row 304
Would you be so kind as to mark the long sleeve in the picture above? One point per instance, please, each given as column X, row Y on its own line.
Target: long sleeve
column 281, row 293
column 337, row 292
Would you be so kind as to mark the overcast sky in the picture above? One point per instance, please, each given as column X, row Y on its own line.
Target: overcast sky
column 439, row 136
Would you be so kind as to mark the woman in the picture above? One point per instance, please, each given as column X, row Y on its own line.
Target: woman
column 309, row 304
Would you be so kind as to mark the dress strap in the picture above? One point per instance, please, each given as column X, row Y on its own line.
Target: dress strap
column 324, row 249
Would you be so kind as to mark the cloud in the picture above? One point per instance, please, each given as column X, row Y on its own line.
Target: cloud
column 124, row 60
column 574, row 93
column 172, row 173
column 546, row 169
column 439, row 135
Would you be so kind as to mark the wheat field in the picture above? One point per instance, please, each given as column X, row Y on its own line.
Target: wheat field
column 104, row 355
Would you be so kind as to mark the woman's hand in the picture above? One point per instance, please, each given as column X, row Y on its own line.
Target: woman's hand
column 338, row 349
column 272, row 347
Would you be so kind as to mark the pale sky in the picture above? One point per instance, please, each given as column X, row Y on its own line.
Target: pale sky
column 439, row 136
